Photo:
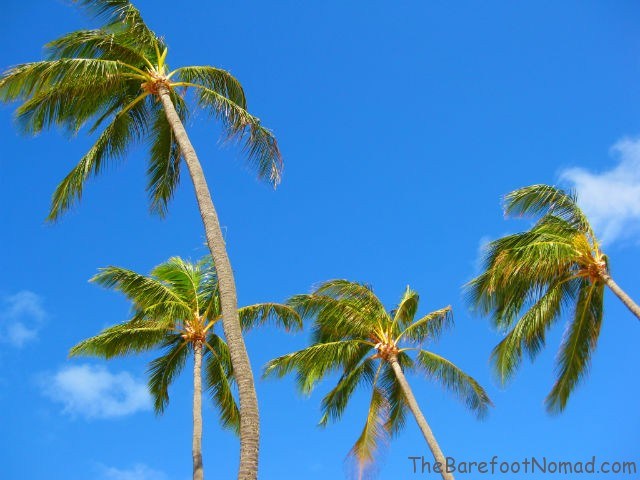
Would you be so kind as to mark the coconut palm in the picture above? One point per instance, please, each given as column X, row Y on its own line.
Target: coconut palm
column 176, row 309
column 353, row 334
column 115, row 81
column 531, row 279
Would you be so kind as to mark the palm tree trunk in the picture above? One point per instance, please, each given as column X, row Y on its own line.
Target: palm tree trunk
column 622, row 295
column 422, row 422
column 198, row 470
column 249, row 416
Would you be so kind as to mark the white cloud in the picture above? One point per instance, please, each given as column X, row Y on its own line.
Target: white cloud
column 94, row 392
column 21, row 317
column 137, row 472
column 611, row 199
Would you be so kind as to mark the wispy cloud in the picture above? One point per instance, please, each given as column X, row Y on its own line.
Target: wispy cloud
column 21, row 318
column 94, row 392
column 611, row 199
column 137, row 472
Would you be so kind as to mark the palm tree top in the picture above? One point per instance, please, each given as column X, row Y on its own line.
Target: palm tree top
column 356, row 336
column 106, row 79
column 533, row 278
column 174, row 308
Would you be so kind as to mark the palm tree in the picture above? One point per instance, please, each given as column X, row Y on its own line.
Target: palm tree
column 176, row 309
column 531, row 279
column 355, row 335
column 116, row 80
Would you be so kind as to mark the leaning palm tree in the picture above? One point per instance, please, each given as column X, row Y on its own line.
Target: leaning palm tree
column 354, row 334
column 531, row 279
column 176, row 309
column 115, row 80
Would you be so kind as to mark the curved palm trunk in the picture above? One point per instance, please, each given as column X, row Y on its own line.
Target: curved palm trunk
column 249, row 416
column 198, row 470
column 621, row 294
column 422, row 422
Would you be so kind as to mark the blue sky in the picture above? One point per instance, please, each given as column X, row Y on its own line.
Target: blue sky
column 401, row 125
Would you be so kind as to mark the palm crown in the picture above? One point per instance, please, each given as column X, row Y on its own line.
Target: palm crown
column 176, row 309
column 353, row 334
column 531, row 279
column 107, row 79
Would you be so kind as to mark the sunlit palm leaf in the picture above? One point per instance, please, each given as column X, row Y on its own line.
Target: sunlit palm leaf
column 123, row 339
column 429, row 327
column 164, row 369
column 335, row 402
column 313, row 362
column 543, row 199
column 275, row 313
column 454, row 379
column 374, row 432
column 579, row 343
column 404, row 314
column 528, row 334
column 219, row 380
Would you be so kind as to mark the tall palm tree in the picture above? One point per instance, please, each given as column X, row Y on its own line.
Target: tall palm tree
column 355, row 335
column 531, row 279
column 116, row 80
column 176, row 309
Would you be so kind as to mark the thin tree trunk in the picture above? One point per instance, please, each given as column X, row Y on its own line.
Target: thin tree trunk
column 198, row 470
column 249, row 416
column 422, row 422
column 621, row 294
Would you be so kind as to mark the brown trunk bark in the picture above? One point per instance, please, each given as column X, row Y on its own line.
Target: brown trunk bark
column 249, row 416
column 422, row 422
column 621, row 294
column 198, row 469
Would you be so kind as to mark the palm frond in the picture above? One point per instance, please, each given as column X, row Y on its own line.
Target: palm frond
column 394, row 394
column 455, row 380
column 313, row 362
column 528, row 334
column 275, row 313
column 164, row 369
column 112, row 144
column 143, row 291
column 429, row 327
column 216, row 80
column 68, row 106
column 219, row 380
column 183, row 279
column 122, row 339
column 579, row 343
column 374, row 433
column 122, row 16
column 334, row 319
column 546, row 199
column 335, row 402
column 406, row 311
column 23, row 81
column 164, row 165
column 100, row 44
column 518, row 270
column 258, row 143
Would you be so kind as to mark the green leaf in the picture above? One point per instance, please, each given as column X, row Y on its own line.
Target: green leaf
column 374, row 433
column 275, row 313
column 430, row 326
column 122, row 339
column 335, row 402
column 219, row 382
column 579, row 343
column 454, row 379
column 313, row 362
column 164, row 369
column 543, row 199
